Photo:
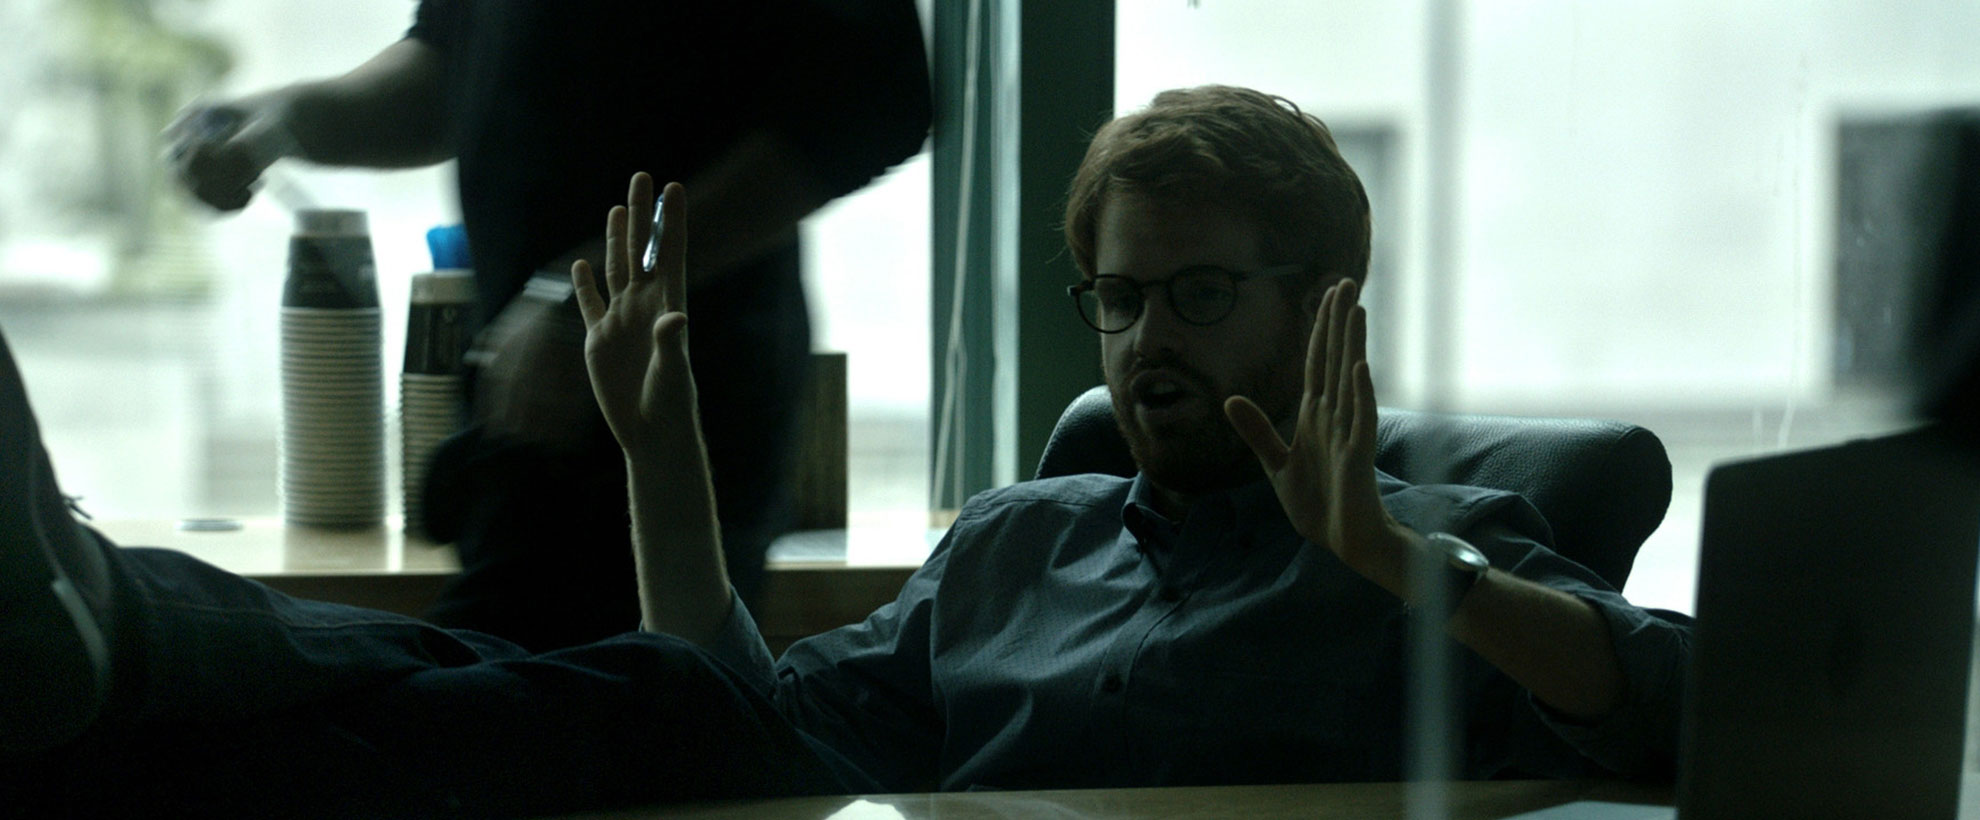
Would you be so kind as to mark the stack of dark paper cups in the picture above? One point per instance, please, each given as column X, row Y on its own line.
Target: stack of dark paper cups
column 333, row 420
column 432, row 389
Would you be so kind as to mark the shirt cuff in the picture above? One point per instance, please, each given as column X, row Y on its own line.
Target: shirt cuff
column 739, row 645
column 1640, row 737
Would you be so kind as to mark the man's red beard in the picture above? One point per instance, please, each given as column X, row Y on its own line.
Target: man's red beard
column 1204, row 454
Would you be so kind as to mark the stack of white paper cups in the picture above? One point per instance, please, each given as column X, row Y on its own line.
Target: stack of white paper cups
column 432, row 389
column 333, row 419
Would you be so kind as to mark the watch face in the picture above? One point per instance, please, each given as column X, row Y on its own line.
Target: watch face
column 1461, row 554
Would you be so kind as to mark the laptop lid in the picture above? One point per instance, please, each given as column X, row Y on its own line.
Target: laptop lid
column 1835, row 612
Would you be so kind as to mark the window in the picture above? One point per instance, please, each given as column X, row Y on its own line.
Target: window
column 147, row 326
column 1645, row 203
column 866, row 270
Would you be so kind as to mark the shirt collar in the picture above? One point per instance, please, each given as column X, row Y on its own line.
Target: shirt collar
column 1153, row 533
column 1251, row 503
column 1255, row 505
column 1216, row 525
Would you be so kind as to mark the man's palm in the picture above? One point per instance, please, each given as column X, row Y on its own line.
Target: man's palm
column 1325, row 478
column 635, row 333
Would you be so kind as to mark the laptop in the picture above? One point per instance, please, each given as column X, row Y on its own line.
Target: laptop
column 1835, row 633
column 1835, row 609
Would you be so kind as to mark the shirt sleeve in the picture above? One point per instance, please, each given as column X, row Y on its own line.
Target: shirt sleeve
column 1640, row 738
column 740, row 645
column 852, row 90
column 867, row 690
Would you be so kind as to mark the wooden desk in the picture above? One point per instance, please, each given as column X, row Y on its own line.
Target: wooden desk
column 828, row 579
column 1346, row 801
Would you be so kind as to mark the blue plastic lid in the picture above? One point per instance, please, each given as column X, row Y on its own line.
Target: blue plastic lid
column 449, row 246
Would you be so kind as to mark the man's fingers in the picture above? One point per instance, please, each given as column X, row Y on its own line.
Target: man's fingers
column 616, row 274
column 216, row 157
column 224, row 198
column 1358, row 333
column 219, row 176
column 1337, row 311
column 1257, row 432
column 673, row 247
column 1363, row 442
column 670, row 335
column 639, row 223
column 669, row 368
column 590, row 305
column 1353, row 353
column 1316, row 348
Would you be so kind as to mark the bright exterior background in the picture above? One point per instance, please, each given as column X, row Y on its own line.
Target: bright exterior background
column 146, row 326
column 1642, row 224
column 1643, row 201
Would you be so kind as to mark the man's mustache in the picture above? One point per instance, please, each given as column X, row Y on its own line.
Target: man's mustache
column 1182, row 371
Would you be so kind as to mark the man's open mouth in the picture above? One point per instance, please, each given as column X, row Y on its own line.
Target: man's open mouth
column 1159, row 390
column 1163, row 395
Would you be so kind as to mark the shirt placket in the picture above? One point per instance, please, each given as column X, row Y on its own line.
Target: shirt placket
column 1113, row 683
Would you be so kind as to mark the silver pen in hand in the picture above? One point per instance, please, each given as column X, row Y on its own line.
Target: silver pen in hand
column 653, row 242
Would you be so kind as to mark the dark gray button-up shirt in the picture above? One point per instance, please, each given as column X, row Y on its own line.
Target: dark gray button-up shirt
column 1065, row 635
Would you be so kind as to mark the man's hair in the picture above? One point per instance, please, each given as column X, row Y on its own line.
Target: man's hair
column 1232, row 146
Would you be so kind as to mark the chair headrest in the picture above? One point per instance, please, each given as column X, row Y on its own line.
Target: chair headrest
column 1603, row 485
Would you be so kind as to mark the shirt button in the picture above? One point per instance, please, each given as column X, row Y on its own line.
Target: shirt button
column 1171, row 594
column 1111, row 683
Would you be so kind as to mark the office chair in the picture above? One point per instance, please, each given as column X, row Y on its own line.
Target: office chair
column 1602, row 485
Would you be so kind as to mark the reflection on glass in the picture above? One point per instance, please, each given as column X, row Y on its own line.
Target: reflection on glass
column 1645, row 204
column 865, row 809
column 148, row 327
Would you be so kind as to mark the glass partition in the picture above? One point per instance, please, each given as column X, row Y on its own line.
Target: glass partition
column 146, row 325
column 1643, row 219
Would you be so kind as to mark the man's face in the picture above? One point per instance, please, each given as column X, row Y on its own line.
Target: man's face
column 1169, row 378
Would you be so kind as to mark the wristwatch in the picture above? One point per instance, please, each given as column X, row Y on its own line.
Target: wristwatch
column 1463, row 566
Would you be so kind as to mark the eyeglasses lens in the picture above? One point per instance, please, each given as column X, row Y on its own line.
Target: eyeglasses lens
column 1203, row 296
column 1111, row 305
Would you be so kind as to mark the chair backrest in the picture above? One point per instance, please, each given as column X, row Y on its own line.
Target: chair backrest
column 1602, row 485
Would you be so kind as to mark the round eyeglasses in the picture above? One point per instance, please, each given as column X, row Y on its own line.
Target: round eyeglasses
column 1199, row 295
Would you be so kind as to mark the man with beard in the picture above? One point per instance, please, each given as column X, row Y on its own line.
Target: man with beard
column 1235, row 613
